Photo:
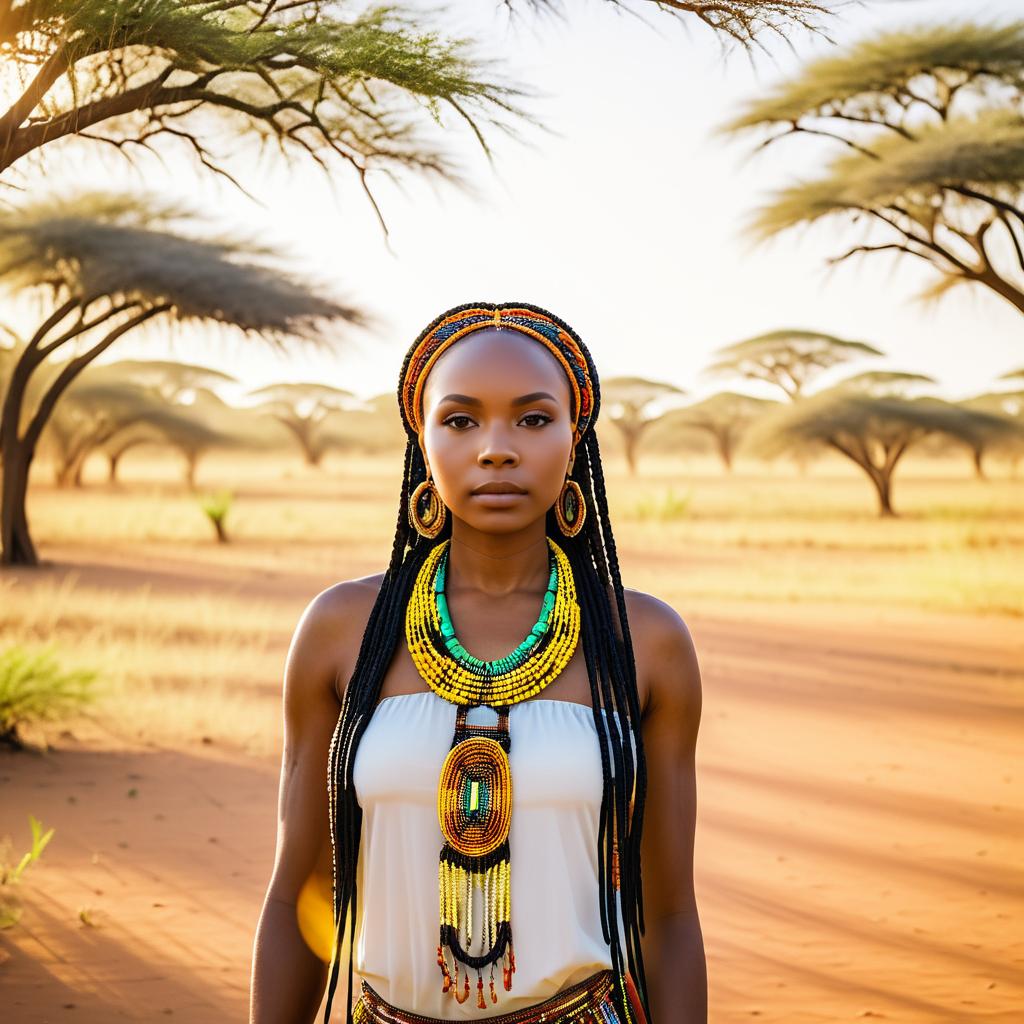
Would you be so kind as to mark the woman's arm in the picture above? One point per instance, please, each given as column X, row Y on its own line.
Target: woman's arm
column 288, row 978
column 673, row 946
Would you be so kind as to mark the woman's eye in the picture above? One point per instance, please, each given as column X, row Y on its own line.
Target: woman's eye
column 538, row 418
column 460, row 421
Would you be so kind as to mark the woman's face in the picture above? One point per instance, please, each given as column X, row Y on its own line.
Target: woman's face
column 497, row 429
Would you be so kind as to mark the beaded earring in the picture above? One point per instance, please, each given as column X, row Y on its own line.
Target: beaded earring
column 570, row 508
column 426, row 510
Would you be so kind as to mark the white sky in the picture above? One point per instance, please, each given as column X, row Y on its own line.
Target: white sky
column 628, row 223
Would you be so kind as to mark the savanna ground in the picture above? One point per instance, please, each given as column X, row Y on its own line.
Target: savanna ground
column 861, row 808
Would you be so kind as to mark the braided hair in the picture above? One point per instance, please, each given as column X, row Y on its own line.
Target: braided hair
column 608, row 652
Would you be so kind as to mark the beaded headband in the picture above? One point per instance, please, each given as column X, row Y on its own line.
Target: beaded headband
column 442, row 335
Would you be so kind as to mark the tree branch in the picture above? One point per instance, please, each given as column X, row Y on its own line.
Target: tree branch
column 76, row 365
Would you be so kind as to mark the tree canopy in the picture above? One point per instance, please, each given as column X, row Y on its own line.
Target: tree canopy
column 930, row 125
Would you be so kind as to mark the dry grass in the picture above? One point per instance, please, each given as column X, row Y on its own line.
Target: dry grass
column 190, row 635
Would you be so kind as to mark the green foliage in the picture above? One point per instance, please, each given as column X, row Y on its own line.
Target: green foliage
column 216, row 506
column 309, row 82
column 10, row 874
column 131, row 248
column 878, row 78
column 34, row 688
column 982, row 152
column 933, row 160
column 669, row 507
column 788, row 358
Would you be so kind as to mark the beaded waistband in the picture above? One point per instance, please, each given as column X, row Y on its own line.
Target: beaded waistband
column 583, row 1003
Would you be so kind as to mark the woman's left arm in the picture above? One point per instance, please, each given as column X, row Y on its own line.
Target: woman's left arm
column 673, row 945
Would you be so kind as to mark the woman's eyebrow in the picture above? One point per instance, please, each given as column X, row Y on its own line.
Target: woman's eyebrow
column 522, row 400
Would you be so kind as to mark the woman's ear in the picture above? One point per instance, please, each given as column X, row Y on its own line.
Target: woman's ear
column 423, row 451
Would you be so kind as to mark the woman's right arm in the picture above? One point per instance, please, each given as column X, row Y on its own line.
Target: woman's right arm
column 288, row 978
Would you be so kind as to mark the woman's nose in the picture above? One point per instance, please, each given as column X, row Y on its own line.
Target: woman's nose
column 498, row 457
column 496, row 451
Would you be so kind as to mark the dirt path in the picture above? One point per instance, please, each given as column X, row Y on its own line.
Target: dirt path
column 859, row 844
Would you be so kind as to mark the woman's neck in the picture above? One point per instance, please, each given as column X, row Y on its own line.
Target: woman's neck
column 498, row 564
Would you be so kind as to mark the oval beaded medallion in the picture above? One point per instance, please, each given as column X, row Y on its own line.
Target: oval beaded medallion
column 474, row 796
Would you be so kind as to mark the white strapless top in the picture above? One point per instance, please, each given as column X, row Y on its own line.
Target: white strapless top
column 556, row 801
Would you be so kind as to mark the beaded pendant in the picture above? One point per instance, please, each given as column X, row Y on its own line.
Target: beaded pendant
column 474, row 794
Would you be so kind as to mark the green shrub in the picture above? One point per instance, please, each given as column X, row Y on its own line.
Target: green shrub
column 33, row 688
column 216, row 507
column 667, row 507
column 10, row 874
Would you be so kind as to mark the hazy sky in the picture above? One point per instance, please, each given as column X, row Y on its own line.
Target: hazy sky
column 627, row 223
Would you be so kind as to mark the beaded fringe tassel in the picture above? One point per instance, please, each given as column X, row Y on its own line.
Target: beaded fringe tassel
column 458, row 887
column 474, row 810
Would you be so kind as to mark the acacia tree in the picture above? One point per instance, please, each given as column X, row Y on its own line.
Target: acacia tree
column 196, row 430
column 724, row 418
column 169, row 379
column 633, row 404
column 111, row 264
column 89, row 415
column 874, row 432
column 304, row 409
column 1006, row 435
column 788, row 358
column 296, row 77
column 885, row 383
column 929, row 129
column 179, row 394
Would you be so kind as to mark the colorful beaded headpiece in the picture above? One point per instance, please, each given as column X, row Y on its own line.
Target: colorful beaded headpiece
column 520, row 317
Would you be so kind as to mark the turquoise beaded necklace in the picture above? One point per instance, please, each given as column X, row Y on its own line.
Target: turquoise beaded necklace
column 510, row 661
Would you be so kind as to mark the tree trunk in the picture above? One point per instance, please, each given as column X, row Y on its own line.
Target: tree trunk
column 630, row 452
column 725, row 452
column 15, row 540
column 62, row 473
column 16, row 546
column 978, row 454
column 883, row 485
column 114, row 458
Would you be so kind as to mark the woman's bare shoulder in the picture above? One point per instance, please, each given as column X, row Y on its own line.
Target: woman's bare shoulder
column 333, row 622
column 651, row 613
column 664, row 651
column 346, row 599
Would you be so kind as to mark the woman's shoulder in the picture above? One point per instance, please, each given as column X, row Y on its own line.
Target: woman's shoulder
column 334, row 620
column 663, row 648
column 651, row 612
column 347, row 598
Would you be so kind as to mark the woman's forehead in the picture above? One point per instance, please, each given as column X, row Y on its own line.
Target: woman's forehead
column 495, row 360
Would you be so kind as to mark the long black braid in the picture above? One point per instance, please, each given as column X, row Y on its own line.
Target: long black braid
column 611, row 669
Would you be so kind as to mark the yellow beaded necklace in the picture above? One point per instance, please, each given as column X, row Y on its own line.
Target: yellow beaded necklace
column 458, row 679
column 474, row 794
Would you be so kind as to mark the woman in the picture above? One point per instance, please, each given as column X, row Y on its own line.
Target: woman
column 485, row 844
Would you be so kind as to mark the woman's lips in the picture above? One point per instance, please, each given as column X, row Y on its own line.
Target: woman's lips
column 492, row 499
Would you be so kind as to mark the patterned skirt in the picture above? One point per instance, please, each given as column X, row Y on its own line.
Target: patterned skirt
column 588, row 1002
